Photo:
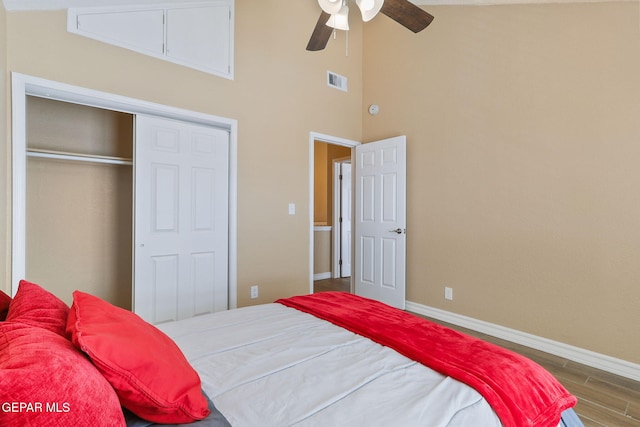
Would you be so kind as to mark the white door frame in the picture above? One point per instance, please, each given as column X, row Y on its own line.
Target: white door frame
column 336, row 230
column 328, row 139
column 24, row 85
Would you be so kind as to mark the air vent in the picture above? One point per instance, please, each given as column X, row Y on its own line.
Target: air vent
column 337, row 81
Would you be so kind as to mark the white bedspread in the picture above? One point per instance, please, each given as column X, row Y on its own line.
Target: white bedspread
column 271, row 365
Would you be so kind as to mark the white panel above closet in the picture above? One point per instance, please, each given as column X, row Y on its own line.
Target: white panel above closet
column 141, row 30
column 195, row 34
column 200, row 36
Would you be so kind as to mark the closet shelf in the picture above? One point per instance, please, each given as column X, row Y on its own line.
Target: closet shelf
column 62, row 155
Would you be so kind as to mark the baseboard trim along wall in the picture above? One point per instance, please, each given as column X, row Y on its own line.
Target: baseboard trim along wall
column 577, row 354
column 322, row 276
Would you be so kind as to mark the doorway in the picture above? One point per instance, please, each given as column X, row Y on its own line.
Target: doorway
column 324, row 151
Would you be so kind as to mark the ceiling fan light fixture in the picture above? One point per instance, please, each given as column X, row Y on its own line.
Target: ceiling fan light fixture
column 340, row 20
column 330, row 6
column 369, row 8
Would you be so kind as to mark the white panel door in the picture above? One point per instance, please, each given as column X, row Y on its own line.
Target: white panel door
column 380, row 220
column 181, row 219
column 345, row 223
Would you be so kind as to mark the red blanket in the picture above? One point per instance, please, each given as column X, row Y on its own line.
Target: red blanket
column 520, row 391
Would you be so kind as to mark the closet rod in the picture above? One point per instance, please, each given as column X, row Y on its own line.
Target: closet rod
column 61, row 155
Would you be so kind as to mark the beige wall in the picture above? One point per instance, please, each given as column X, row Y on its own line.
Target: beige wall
column 523, row 130
column 522, row 126
column 320, row 183
column 278, row 96
column 324, row 155
column 333, row 152
column 321, row 251
column 79, row 215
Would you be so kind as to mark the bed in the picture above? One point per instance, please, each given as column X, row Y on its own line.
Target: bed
column 314, row 351
column 328, row 359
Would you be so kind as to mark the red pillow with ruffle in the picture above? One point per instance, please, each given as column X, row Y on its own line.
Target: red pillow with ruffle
column 150, row 374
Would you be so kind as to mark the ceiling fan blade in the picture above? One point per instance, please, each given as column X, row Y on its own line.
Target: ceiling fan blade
column 321, row 33
column 407, row 14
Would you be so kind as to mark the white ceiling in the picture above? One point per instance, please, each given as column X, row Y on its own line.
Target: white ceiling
column 65, row 4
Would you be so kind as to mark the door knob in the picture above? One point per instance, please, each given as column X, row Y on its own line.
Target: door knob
column 397, row 230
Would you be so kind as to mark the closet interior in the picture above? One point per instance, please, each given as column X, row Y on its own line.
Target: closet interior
column 79, row 200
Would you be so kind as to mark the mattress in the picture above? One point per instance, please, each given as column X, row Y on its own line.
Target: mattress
column 272, row 365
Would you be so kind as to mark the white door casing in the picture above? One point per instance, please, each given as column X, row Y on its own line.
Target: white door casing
column 380, row 220
column 328, row 139
column 345, row 222
column 181, row 219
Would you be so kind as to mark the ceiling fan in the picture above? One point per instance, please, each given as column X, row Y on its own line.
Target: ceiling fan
column 335, row 14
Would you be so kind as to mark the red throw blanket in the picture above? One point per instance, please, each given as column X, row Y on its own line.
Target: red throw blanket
column 520, row 391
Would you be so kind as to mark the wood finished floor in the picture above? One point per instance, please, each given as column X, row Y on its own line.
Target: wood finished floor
column 604, row 399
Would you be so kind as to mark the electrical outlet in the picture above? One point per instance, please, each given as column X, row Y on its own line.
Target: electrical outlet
column 254, row 292
column 448, row 293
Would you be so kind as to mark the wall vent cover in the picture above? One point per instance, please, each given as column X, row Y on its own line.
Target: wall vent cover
column 337, row 81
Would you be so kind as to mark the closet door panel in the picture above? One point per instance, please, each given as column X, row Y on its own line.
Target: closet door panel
column 182, row 184
column 165, row 197
column 165, row 287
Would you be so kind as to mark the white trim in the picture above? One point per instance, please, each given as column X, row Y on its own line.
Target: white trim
column 337, row 212
column 322, row 276
column 88, row 158
column 577, row 354
column 23, row 85
column 14, row 5
column 320, row 137
column 335, row 234
column 19, row 179
column 322, row 228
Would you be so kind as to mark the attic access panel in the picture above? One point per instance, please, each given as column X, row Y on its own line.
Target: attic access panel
column 195, row 35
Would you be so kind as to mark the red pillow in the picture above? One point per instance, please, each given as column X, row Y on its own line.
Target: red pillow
column 5, row 300
column 150, row 374
column 46, row 381
column 35, row 306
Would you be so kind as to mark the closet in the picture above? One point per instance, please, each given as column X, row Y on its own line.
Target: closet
column 149, row 235
column 128, row 200
column 79, row 199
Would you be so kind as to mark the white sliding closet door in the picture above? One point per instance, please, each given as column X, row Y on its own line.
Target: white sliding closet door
column 181, row 219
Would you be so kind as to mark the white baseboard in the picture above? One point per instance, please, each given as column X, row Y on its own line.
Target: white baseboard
column 322, row 276
column 577, row 354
